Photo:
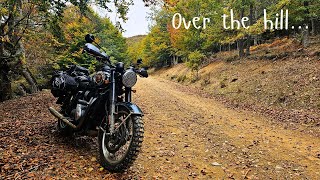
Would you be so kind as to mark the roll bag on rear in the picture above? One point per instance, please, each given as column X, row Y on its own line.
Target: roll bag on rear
column 61, row 83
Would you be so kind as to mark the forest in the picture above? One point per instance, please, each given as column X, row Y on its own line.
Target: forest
column 219, row 102
column 40, row 37
column 166, row 45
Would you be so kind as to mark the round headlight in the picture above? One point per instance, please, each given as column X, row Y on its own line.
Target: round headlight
column 129, row 78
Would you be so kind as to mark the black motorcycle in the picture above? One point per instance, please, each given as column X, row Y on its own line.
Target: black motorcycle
column 100, row 105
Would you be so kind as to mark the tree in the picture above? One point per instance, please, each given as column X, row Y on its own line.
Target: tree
column 18, row 17
column 166, row 44
column 135, row 47
column 157, row 48
column 194, row 61
column 11, row 48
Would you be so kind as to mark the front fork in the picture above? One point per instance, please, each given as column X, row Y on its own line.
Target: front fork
column 113, row 98
column 128, row 97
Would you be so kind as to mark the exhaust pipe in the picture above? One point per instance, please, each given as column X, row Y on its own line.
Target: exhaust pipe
column 58, row 115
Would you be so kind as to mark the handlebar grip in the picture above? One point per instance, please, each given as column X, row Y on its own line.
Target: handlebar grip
column 143, row 72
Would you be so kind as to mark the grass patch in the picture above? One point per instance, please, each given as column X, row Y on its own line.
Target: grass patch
column 173, row 77
column 182, row 78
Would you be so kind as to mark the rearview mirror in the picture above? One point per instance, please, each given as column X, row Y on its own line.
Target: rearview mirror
column 89, row 38
column 92, row 49
column 139, row 61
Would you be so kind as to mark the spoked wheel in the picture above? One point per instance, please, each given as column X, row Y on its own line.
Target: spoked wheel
column 117, row 152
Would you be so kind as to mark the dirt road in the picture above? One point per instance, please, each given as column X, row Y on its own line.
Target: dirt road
column 186, row 136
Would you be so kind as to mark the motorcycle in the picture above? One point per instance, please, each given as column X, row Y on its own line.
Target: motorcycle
column 101, row 105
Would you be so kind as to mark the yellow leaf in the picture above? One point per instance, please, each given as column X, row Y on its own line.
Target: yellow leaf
column 90, row 169
column 93, row 159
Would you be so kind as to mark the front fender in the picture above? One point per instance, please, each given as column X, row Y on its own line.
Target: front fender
column 133, row 108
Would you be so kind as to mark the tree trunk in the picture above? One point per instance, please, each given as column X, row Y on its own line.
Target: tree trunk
column 305, row 31
column 22, row 90
column 11, row 51
column 5, row 83
column 312, row 27
column 305, row 37
column 241, row 41
column 176, row 60
column 248, row 44
column 241, row 48
column 30, row 79
column 255, row 40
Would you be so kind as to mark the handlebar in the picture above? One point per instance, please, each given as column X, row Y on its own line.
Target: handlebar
column 142, row 72
column 93, row 50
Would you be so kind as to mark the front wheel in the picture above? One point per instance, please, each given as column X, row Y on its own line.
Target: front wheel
column 117, row 152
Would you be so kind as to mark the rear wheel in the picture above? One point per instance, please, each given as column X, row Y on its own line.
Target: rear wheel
column 117, row 152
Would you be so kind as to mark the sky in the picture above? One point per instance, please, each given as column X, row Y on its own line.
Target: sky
column 137, row 23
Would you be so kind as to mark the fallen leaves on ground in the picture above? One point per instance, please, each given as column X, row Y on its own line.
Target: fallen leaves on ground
column 30, row 146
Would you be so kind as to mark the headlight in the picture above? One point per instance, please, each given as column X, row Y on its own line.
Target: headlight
column 129, row 78
column 100, row 77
